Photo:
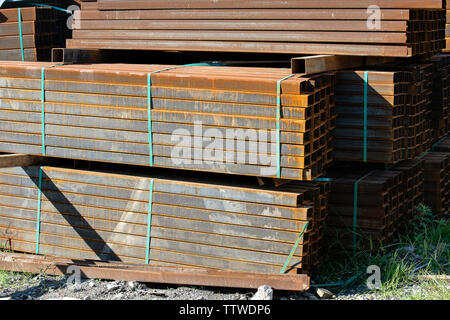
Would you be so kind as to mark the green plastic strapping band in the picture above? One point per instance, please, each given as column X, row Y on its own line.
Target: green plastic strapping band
column 21, row 34
column 355, row 209
column 43, row 110
column 422, row 155
column 323, row 180
column 49, row 6
column 38, row 218
column 339, row 283
column 433, row 147
column 278, row 124
column 149, row 102
column 43, row 105
column 149, row 221
column 26, row 4
column 294, row 248
column 366, row 80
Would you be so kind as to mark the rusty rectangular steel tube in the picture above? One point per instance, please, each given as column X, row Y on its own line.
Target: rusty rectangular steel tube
column 17, row 160
column 302, row 4
column 152, row 274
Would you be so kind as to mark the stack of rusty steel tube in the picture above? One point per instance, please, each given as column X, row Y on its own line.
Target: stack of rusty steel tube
column 219, row 165
column 390, row 113
column 441, row 96
column 101, row 113
column 35, row 30
column 437, row 182
column 367, row 208
column 192, row 222
column 418, row 112
column 413, row 189
column 371, row 110
column 402, row 28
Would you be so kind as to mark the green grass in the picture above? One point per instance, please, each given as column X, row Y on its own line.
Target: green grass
column 423, row 251
column 11, row 279
column 431, row 289
column 5, row 278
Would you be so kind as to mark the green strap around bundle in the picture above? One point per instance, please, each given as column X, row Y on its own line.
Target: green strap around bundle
column 149, row 102
column 433, row 147
column 294, row 248
column 278, row 124
column 323, row 180
column 149, row 221
column 43, row 106
column 10, row 4
column 38, row 218
column 49, row 6
column 21, row 34
column 339, row 283
column 366, row 80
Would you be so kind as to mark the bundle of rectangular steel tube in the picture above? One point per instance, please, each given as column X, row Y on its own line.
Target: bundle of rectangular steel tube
column 250, row 121
column 162, row 220
column 229, row 170
column 363, row 28
column 368, row 208
column 29, row 34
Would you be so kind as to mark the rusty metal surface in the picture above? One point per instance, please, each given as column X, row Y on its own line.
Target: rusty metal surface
column 447, row 35
column 325, row 28
column 440, row 104
column 386, row 201
column 323, row 63
column 18, row 160
column 42, row 29
column 167, row 275
column 103, row 216
column 437, row 182
column 303, row 4
column 109, row 102
column 407, row 109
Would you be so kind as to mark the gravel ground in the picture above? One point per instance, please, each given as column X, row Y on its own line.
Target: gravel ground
column 43, row 287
